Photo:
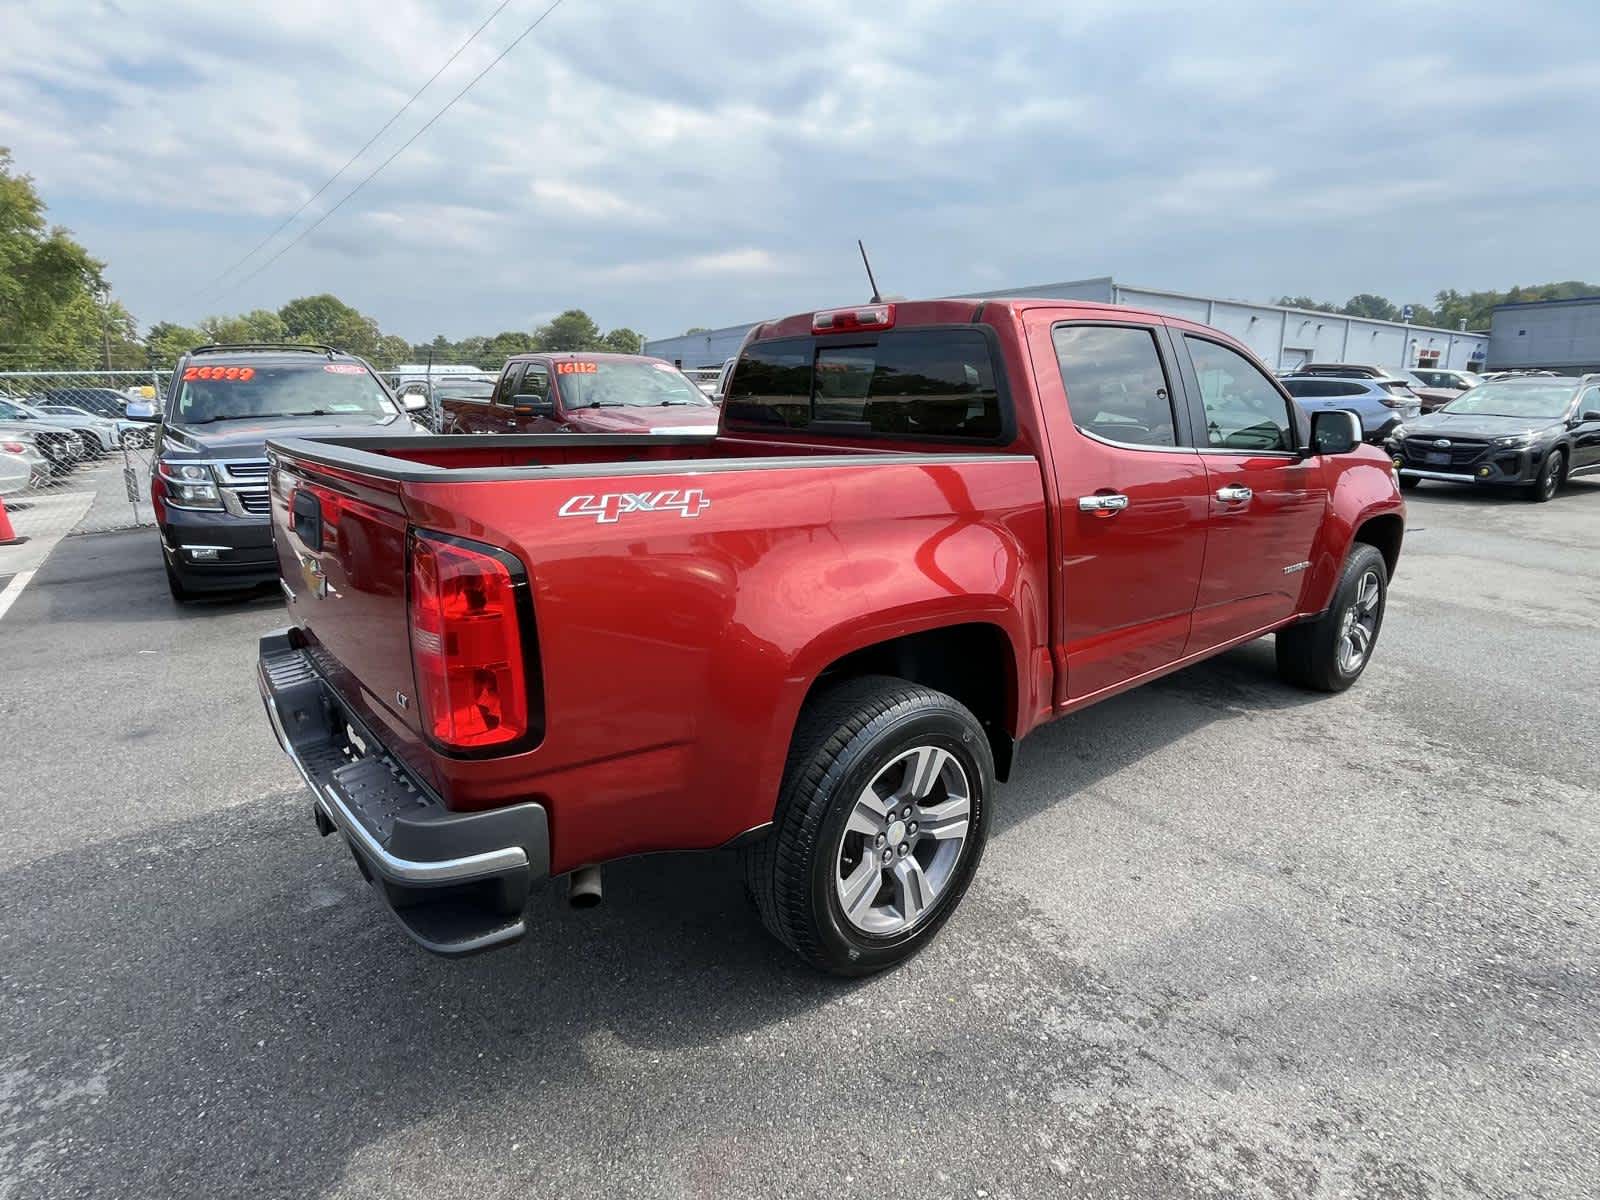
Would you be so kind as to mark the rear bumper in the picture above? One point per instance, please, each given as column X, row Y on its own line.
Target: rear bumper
column 458, row 883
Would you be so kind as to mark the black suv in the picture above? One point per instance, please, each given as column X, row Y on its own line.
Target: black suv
column 208, row 485
column 1535, row 432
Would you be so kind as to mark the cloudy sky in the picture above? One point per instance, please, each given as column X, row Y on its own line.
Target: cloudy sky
column 667, row 165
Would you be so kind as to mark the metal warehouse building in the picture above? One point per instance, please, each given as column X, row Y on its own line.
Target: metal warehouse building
column 1281, row 337
column 1555, row 335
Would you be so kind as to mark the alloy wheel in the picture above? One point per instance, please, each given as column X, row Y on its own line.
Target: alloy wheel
column 903, row 840
column 1358, row 627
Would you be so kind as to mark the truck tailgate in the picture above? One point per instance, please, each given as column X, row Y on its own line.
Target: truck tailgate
column 341, row 546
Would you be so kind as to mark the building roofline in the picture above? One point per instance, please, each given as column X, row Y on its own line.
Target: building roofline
column 1537, row 303
column 1310, row 312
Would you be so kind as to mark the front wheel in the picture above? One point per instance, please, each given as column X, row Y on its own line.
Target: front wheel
column 175, row 585
column 881, row 821
column 1548, row 484
column 1408, row 483
column 1330, row 653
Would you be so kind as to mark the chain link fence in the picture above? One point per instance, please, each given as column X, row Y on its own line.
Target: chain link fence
column 70, row 459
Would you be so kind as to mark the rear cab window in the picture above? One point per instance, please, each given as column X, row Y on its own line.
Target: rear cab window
column 935, row 383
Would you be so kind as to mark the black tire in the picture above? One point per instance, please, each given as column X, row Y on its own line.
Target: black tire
column 1309, row 654
column 1551, row 476
column 844, row 738
column 1409, row 483
column 175, row 585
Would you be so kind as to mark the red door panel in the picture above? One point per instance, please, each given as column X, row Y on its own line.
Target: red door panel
column 1132, row 517
column 1258, row 547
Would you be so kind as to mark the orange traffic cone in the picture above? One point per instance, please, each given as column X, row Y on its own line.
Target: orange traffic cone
column 8, row 535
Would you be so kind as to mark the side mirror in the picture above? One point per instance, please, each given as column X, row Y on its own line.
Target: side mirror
column 413, row 402
column 142, row 410
column 527, row 405
column 1335, row 431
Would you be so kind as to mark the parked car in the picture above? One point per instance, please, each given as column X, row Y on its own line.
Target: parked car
column 209, row 486
column 584, row 393
column 1381, row 403
column 97, row 434
column 1446, row 379
column 60, row 447
column 124, row 427
column 64, row 448
column 1533, row 432
column 922, row 530
column 22, row 466
column 99, row 402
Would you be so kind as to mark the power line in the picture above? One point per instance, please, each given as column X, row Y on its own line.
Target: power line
column 537, row 21
column 332, row 179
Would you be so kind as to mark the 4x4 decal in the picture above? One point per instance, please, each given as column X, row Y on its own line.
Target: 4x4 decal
column 690, row 502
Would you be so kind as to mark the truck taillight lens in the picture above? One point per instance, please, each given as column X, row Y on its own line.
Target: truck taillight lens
column 467, row 645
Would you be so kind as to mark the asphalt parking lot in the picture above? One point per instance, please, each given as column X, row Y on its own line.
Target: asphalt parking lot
column 1229, row 939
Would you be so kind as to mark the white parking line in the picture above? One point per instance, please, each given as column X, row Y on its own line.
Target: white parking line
column 13, row 590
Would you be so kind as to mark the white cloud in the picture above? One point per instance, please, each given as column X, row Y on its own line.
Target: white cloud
column 716, row 160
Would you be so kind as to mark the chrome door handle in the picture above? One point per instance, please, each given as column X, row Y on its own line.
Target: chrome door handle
column 1234, row 494
column 1111, row 503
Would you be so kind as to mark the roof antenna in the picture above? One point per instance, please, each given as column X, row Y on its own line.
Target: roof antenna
column 876, row 298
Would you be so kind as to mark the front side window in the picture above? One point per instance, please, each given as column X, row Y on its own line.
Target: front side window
column 233, row 392
column 1314, row 389
column 1589, row 402
column 1116, row 388
column 1244, row 411
column 936, row 383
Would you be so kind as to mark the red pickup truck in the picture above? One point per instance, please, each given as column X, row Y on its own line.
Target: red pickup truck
column 921, row 530
column 581, row 393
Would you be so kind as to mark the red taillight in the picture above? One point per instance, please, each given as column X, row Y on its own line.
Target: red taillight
column 11, row 447
column 848, row 320
column 466, row 645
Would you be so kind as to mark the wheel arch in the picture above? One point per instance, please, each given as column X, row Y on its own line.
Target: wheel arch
column 1385, row 531
column 973, row 661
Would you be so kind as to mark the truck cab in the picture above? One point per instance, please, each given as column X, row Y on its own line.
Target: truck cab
column 583, row 392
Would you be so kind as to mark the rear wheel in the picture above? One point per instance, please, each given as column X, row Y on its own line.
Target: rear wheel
column 881, row 822
column 1330, row 653
column 1544, row 488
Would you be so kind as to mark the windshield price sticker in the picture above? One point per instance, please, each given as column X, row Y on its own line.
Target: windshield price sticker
column 231, row 373
column 577, row 368
column 343, row 369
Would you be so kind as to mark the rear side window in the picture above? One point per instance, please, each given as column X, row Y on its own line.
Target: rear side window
column 1312, row 389
column 928, row 383
column 1116, row 388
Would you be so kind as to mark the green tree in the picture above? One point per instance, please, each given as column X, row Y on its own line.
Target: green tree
column 55, row 306
column 165, row 341
column 623, row 341
column 572, row 330
column 261, row 325
column 330, row 321
column 1368, row 305
column 1297, row 302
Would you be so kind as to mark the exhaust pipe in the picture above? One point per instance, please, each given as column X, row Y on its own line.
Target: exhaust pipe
column 583, row 887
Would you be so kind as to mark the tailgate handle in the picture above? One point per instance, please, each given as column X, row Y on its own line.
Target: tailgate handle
column 307, row 513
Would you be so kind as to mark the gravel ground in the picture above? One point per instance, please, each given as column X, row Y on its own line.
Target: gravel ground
column 1229, row 939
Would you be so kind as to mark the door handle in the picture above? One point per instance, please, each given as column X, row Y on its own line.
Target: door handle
column 1234, row 494
column 1104, row 503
